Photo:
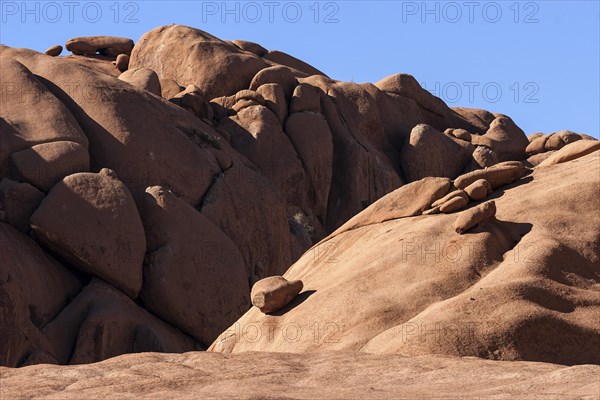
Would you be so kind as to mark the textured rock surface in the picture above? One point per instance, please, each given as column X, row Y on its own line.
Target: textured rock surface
column 331, row 375
column 521, row 287
column 273, row 293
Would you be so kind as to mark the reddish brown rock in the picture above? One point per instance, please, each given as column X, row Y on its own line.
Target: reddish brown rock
column 431, row 153
column 305, row 98
column 508, row 140
column 33, row 289
column 122, row 62
column 479, row 190
column 43, row 165
column 498, row 175
column 194, row 275
column 274, row 99
column 281, row 75
column 54, row 51
column 462, row 134
column 537, row 145
column 252, row 47
column 17, row 202
column 450, row 196
column 101, row 322
column 218, row 68
column 143, row 78
column 104, row 45
column 484, row 157
column 191, row 99
column 572, row 151
column 282, row 58
column 273, row 293
column 169, row 88
column 474, row 216
column 91, row 220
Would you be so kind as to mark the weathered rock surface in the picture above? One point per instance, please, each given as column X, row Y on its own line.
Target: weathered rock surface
column 475, row 216
column 143, row 78
column 194, row 275
column 91, row 220
column 18, row 200
column 54, row 51
column 519, row 287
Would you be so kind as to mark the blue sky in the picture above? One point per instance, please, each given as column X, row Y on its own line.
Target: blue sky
column 536, row 61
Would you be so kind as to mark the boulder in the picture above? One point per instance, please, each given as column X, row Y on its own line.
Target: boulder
column 43, row 165
column 558, row 140
column 462, row 134
column 484, row 157
column 143, row 78
column 273, row 293
column 218, row 68
column 537, row 145
column 104, row 45
column 305, row 98
column 534, row 136
column 246, row 94
column 18, row 201
column 431, row 153
column 454, row 204
column 169, row 88
column 456, row 193
column 508, row 140
column 281, row 75
column 194, row 275
column 54, row 51
column 572, row 151
column 91, row 220
column 34, row 287
column 471, row 218
column 498, row 175
column 244, row 103
column 252, row 47
column 101, row 322
column 407, row 86
column 274, row 99
column 122, row 62
column 479, row 190
column 191, row 99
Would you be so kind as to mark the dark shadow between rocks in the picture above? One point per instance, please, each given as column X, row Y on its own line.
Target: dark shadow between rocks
column 301, row 298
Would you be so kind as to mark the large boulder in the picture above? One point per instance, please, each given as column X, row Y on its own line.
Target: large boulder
column 34, row 287
column 218, row 68
column 278, row 74
column 432, row 153
column 143, row 78
column 194, row 275
column 43, row 165
column 104, row 45
column 572, row 151
column 92, row 221
column 508, row 140
column 273, row 293
column 101, row 322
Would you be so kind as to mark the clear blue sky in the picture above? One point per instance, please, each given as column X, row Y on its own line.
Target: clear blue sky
column 537, row 61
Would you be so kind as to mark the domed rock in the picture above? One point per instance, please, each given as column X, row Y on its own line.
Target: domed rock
column 252, row 47
column 104, row 45
column 54, row 51
column 218, row 68
column 508, row 140
column 194, row 276
column 273, row 293
column 305, row 98
column 43, row 165
column 143, row 78
column 282, row 58
column 18, row 200
column 431, row 153
column 558, row 140
column 537, row 145
column 484, row 157
column 92, row 221
column 191, row 99
column 281, row 75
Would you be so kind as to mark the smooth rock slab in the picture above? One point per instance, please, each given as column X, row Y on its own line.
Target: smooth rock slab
column 105, row 45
